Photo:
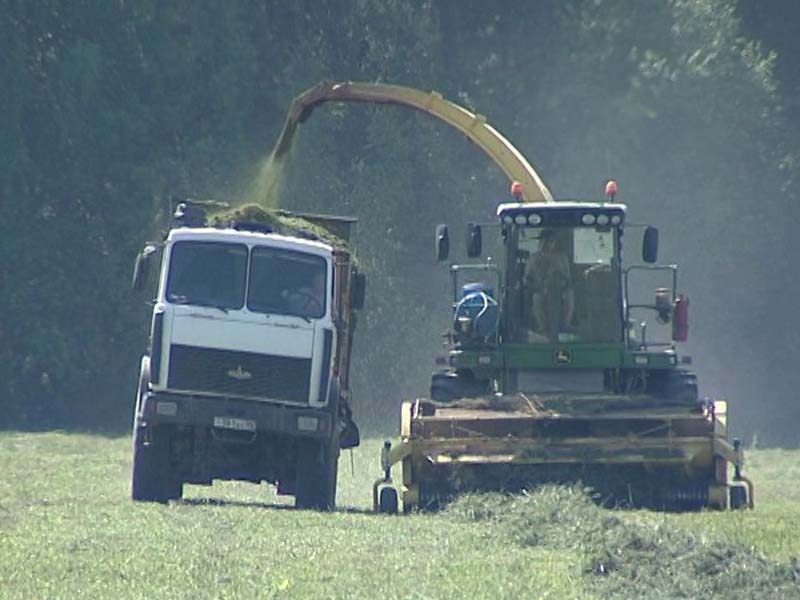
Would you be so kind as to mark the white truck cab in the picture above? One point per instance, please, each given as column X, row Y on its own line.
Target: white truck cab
column 249, row 310
column 246, row 376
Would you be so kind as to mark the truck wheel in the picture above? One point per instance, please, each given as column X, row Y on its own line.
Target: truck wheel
column 144, row 386
column 317, row 471
column 152, row 478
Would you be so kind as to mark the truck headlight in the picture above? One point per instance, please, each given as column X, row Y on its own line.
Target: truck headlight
column 168, row 409
column 307, row 423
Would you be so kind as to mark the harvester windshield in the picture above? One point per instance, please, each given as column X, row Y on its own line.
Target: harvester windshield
column 563, row 277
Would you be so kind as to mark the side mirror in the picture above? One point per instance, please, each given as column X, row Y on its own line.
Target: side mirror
column 358, row 289
column 442, row 243
column 474, row 240
column 650, row 245
column 142, row 267
column 680, row 325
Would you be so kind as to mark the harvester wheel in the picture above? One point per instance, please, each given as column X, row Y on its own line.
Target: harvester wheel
column 676, row 385
column 387, row 501
column 738, row 497
column 449, row 386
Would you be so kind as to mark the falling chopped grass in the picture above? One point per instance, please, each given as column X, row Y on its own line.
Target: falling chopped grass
column 264, row 191
column 629, row 557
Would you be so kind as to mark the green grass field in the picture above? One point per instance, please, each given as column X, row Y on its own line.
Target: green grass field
column 69, row 530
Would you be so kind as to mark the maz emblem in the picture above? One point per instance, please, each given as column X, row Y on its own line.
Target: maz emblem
column 562, row 356
column 239, row 373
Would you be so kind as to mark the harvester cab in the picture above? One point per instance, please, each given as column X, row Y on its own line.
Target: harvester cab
column 555, row 309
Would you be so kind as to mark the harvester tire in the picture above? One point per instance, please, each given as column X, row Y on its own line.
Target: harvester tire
column 317, row 471
column 738, row 497
column 387, row 501
column 449, row 386
column 675, row 385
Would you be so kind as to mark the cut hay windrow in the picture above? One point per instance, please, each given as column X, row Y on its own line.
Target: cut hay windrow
column 626, row 556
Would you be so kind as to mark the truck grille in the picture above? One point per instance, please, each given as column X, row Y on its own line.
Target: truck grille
column 243, row 374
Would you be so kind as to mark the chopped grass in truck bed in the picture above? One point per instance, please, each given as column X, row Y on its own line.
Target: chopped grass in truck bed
column 283, row 222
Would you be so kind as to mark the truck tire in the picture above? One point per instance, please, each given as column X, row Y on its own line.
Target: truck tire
column 144, row 386
column 152, row 476
column 317, row 472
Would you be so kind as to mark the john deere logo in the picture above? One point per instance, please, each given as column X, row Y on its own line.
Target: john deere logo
column 562, row 356
column 239, row 373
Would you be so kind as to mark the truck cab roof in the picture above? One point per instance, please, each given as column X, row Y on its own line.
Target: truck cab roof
column 249, row 238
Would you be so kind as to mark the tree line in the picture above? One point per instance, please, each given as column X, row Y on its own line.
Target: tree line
column 111, row 110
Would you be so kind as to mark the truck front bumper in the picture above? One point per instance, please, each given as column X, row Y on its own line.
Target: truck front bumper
column 230, row 413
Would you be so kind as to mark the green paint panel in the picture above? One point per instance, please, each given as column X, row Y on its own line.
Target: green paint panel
column 650, row 360
column 545, row 356
column 477, row 359
column 580, row 356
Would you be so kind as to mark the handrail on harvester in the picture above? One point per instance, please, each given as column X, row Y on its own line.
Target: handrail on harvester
column 474, row 126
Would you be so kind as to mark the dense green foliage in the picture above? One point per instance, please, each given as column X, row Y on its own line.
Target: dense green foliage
column 109, row 110
column 69, row 530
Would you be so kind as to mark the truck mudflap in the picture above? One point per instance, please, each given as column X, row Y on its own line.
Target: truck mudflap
column 675, row 458
column 228, row 415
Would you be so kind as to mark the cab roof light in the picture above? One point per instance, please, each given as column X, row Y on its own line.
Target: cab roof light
column 611, row 190
column 516, row 191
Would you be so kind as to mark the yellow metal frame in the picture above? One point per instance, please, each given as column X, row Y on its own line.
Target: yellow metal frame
column 473, row 126
column 695, row 451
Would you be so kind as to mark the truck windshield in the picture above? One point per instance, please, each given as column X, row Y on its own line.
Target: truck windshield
column 287, row 282
column 207, row 274
column 566, row 285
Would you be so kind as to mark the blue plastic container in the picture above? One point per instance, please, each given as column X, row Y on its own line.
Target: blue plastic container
column 479, row 310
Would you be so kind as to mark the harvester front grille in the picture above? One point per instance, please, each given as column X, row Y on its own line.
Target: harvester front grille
column 243, row 374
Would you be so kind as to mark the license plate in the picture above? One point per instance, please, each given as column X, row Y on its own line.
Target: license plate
column 233, row 423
